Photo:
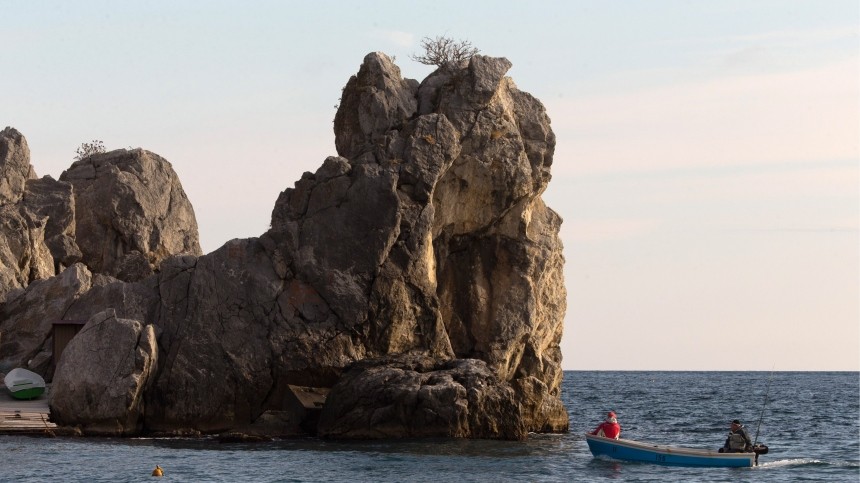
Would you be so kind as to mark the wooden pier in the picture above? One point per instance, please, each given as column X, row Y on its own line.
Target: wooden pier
column 25, row 417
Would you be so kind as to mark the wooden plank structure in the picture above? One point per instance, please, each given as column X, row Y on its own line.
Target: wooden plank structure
column 307, row 403
column 25, row 417
column 310, row 397
column 63, row 331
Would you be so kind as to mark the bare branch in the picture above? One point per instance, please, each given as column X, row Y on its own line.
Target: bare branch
column 85, row 150
column 445, row 52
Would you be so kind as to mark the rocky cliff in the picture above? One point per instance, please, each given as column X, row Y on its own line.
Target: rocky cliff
column 417, row 275
column 24, row 256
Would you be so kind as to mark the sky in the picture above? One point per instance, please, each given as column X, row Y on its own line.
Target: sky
column 707, row 165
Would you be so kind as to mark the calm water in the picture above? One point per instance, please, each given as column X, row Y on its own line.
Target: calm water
column 812, row 425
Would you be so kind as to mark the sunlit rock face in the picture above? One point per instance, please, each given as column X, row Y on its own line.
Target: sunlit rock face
column 24, row 256
column 460, row 258
column 418, row 274
column 15, row 168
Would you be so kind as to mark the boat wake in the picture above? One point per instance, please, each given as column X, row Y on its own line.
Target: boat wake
column 789, row 462
column 806, row 462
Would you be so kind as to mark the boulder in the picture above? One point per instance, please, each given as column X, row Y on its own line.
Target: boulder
column 103, row 393
column 413, row 395
column 131, row 213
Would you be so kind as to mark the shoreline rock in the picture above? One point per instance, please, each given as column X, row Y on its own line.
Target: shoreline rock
column 418, row 275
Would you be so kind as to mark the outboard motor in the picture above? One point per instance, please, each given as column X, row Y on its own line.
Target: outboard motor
column 759, row 449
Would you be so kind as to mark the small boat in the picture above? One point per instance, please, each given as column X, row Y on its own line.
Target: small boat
column 24, row 384
column 629, row 450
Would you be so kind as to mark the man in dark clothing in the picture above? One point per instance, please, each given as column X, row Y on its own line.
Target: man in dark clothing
column 738, row 441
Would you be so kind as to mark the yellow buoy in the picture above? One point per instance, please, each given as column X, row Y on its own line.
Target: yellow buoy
column 157, row 471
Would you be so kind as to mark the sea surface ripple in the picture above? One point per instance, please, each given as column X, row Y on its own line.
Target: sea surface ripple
column 811, row 424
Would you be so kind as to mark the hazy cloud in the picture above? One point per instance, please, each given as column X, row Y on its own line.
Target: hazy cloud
column 774, row 38
column 599, row 230
column 401, row 39
column 802, row 115
column 791, row 38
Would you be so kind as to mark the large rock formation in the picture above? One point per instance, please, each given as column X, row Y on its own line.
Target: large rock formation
column 131, row 213
column 418, row 274
column 119, row 213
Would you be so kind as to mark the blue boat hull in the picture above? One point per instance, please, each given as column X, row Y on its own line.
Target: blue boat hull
column 628, row 450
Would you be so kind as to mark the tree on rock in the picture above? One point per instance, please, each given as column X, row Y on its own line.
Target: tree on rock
column 85, row 150
column 445, row 52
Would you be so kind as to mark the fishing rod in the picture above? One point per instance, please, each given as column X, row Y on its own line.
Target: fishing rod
column 761, row 416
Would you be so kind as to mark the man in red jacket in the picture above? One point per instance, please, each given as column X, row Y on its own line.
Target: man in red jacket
column 609, row 428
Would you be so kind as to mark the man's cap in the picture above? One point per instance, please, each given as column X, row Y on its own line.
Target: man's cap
column 736, row 421
column 611, row 414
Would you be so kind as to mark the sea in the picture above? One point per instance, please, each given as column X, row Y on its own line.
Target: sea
column 809, row 420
